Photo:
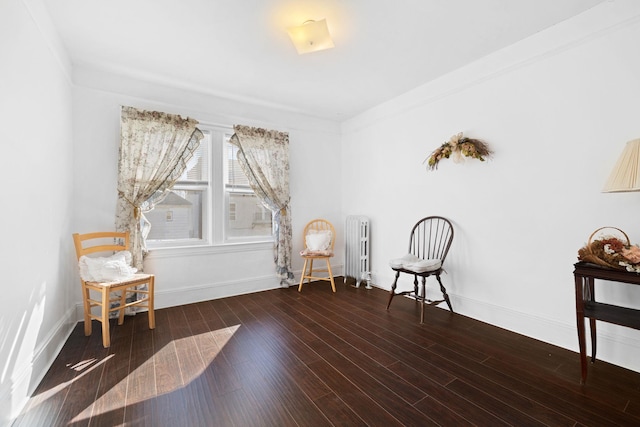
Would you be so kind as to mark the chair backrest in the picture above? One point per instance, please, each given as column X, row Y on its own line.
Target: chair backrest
column 431, row 238
column 319, row 224
column 104, row 241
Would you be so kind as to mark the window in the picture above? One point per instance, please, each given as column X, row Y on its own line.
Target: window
column 246, row 216
column 212, row 202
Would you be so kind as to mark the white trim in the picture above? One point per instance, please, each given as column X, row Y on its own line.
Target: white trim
column 42, row 20
column 226, row 248
column 210, row 291
column 185, row 85
column 205, row 292
column 171, row 99
column 26, row 376
column 617, row 349
column 597, row 22
column 216, row 290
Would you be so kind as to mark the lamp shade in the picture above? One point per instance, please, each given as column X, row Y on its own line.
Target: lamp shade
column 311, row 36
column 626, row 173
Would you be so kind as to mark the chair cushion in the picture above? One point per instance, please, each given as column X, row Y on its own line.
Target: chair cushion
column 405, row 260
column 424, row 266
column 415, row 264
column 106, row 269
column 309, row 252
column 318, row 240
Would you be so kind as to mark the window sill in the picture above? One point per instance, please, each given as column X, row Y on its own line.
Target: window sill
column 224, row 248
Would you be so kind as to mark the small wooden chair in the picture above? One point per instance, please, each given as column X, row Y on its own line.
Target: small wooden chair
column 429, row 244
column 318, row 229
column 108, row 243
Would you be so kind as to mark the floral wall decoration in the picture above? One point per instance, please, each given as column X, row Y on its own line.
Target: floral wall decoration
column 459, row 147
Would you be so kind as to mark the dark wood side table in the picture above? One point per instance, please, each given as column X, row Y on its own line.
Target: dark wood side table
column 586, row 305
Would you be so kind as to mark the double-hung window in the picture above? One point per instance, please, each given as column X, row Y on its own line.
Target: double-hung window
column 212, row 202
column 245, row 216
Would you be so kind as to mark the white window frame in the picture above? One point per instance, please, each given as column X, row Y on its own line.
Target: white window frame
column 214, row 216
column 227, row 201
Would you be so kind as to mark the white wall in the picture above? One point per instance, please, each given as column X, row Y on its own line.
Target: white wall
column 557, row 109
column 37, row 309
column 189, row 275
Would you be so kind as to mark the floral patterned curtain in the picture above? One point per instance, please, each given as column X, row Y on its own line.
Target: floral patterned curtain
column 263, row 156
column 154, row 150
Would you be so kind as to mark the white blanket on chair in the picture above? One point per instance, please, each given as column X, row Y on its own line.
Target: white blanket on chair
column 106, row 269
column 414, row 264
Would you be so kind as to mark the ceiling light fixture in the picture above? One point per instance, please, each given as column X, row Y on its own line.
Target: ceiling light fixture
column 311, row 36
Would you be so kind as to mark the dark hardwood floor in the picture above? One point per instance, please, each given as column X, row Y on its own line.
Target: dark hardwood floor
column 283, row 358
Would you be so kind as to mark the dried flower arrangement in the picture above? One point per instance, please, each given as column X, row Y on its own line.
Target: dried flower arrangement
column 611, row 251
column 458, row 146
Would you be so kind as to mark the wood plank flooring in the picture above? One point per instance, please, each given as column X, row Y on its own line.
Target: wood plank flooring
column 283, row 358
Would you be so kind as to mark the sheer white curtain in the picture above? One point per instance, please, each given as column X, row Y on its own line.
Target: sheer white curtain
column 263, row 156
column 154, row 150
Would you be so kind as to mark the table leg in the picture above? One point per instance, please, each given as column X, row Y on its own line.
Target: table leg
column 592, row 326
column 590, row 295
column 579, row 282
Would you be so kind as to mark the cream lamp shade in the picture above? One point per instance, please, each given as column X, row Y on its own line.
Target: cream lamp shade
column 626, row 173
column 311, row 36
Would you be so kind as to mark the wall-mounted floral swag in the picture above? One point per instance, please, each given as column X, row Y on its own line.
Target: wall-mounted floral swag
column 458, row 146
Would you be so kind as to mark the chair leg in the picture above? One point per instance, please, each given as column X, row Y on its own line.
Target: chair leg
column 152, row 315
column 123, row 303
column 304, row 273
column 423, row 299
column 393, row 289
column 106, row 340
column 444, row 293
column 87, row 309
column 333, row 284
column 310, row 273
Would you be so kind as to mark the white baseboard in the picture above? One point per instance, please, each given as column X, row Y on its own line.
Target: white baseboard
column 214, row 290
column 204, row 292
column 617, row 349
column 15, row 393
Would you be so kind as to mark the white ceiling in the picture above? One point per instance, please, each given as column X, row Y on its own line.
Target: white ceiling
column 240, row 49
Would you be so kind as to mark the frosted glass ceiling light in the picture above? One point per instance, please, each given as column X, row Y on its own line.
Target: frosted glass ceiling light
column 626, row 173
column 311, row 36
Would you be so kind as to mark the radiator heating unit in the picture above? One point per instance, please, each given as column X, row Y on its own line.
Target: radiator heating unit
column 357, row 250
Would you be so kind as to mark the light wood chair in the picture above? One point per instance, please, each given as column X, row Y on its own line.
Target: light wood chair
column 309, row 254
column 107, row 243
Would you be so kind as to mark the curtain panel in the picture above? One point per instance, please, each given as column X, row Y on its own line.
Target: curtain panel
column 154, row 150
column 263, row 156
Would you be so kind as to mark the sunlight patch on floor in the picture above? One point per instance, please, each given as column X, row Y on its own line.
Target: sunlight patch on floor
column 86, row 365
column 209, row 348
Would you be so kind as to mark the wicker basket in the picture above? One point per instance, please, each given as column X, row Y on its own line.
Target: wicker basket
column 593, row 252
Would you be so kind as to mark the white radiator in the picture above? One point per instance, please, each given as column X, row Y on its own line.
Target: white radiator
column 357, row 248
